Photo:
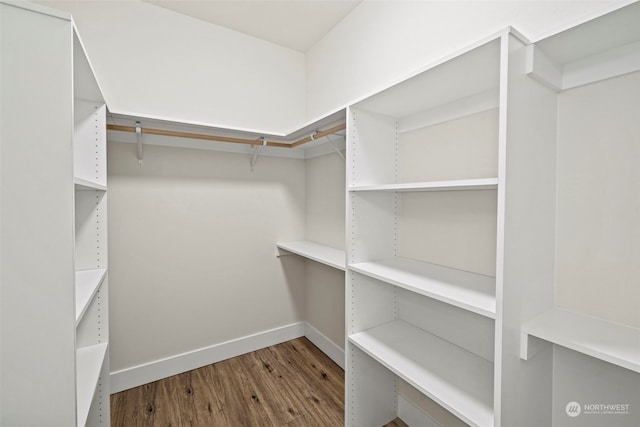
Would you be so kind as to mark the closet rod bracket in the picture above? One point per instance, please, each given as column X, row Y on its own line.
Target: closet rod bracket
column 335, row 148
column 139, row 143
column 254, row 158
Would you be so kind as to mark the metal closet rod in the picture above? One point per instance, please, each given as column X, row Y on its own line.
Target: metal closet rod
column 206, row 137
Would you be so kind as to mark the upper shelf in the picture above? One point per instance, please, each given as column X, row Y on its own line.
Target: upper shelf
column 320, row 253
column 85, row 85
column 602, row 48
column 469, row 291
column 454, row 185
column 608, row 341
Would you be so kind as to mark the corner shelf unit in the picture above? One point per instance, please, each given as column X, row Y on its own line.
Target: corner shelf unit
column 54, row 239
column 90, row 248
column 452, row 215
column 91, row 276
column 315, row 251
column 607, row 341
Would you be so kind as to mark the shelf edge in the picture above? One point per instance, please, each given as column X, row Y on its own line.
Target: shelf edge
column 286, row 246
column 554, row 326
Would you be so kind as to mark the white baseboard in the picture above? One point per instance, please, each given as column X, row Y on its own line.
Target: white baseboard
column 327, row 346
column 412, row 415
column 163, row 368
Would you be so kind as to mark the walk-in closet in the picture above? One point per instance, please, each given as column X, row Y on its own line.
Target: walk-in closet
column 319, row 213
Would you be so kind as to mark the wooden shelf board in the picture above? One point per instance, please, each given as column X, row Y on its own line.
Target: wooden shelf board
column 469, row 291
column 458, row 380
column 84, row 185
column 453, row 185
column 317, row 252
column 87, row 284
column 608, row 341
column 89, row 362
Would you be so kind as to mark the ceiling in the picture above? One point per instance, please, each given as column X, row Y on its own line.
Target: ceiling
column 295, row 24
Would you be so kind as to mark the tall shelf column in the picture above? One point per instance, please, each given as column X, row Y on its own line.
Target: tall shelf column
column 53, row 266
column 422, row 211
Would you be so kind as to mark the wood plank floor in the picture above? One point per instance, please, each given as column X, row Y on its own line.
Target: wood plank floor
column 292, row 384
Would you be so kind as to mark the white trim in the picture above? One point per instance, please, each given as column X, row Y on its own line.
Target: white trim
column 328, row 347
column 412, row 415
column 163, row 368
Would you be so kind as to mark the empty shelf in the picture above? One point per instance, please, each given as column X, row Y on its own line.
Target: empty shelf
column 87, row 284
column 469, row 291
column 458, row 380
column 83, row 184
column 89, row 362
column 455, row 185
column 608, row 341
column 320, row 253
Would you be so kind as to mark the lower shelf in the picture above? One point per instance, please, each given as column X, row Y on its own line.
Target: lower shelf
column 460, row 381
column 89, row 361
column 608, row 341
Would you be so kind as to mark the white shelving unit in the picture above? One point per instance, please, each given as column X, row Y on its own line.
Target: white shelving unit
column 607, row 341
column 579, row 337
column 405, row 307
column 54, row 243
column 90, row 183
column 424, row 214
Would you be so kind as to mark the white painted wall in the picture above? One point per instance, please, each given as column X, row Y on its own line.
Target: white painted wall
column 154, row 62
column 383, row 41
column 325, row 223
column 460, row 228
column 598, row 237
column 325, row 204
column 151, row 61
column 192, row 249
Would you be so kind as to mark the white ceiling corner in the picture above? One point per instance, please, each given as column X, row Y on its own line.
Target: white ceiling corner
column 295, row 24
